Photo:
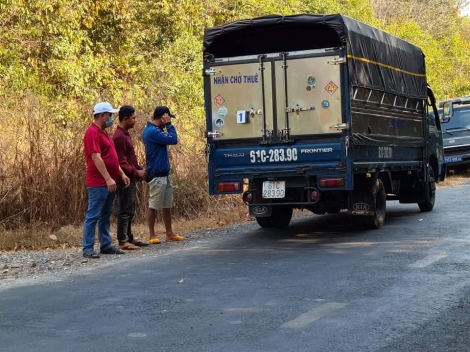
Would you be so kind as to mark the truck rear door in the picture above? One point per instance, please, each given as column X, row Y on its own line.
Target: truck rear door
column 237, row 100
column 276, row 95
column 308, row 95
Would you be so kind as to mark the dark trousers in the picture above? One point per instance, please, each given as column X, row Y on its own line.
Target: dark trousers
column 126, row 212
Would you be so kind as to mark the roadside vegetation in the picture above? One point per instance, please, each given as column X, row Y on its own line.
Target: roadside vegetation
column 59, row 57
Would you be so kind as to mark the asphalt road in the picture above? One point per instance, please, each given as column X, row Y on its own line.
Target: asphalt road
column 317, row 286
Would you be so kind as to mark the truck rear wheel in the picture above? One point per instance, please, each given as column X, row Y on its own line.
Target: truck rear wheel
column 377, row 220
column 264, row 222
column 280, row 218
column 429, row 192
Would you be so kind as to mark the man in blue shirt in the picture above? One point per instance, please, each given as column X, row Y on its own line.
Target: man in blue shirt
column 157, row 136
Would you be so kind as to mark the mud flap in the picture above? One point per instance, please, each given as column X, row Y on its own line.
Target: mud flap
column 361, row 203
column 260, row 211
column 413, row 191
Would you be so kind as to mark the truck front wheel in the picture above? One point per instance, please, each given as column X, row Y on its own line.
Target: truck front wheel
column 429, row 192
column 280, row 218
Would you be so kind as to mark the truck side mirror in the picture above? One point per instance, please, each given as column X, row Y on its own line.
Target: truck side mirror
column 448, row 111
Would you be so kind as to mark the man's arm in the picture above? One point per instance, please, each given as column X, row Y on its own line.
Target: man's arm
column 171, row 130
column 121, row 150
column 99, row 163
column 155, row 135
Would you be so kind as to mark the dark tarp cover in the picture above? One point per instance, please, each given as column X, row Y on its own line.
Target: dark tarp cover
column 376, row 59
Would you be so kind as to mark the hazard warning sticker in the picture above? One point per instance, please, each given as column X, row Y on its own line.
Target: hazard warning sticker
column 219, row 100
column 331, row 88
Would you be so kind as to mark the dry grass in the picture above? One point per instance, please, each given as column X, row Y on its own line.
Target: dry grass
column 42, row 169
column 40, row 237
column 454, row 180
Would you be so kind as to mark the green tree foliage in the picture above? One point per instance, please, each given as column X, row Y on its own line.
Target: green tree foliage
column 140, row 50
column 358, row 9
column 436, row 27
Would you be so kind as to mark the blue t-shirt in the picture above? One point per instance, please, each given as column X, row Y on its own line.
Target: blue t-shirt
column 156, row 141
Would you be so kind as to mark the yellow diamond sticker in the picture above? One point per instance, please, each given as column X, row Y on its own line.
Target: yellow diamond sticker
column 331, row 88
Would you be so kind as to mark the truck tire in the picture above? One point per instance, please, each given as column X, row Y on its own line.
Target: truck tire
column 429, row 192
column 264, row 222
column 280, row 218
column 377, row 220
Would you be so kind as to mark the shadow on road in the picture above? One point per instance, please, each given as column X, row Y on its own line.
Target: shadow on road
column 310, row 231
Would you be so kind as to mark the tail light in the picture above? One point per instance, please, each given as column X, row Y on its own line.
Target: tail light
column 331, row 182
column 315, row 195
column 227, row 187
column 247, row 198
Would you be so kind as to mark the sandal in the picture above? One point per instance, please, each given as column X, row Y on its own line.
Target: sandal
column 176, row 238
column 127, row 246
column 139, row 243
column 154, row 241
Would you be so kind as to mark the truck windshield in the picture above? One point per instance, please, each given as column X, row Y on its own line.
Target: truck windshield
column 460, row 119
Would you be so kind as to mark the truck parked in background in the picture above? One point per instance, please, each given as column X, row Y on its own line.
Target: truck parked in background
column 456, row 135
column 319, row 112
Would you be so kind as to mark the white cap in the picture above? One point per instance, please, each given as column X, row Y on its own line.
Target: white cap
column 104, row 107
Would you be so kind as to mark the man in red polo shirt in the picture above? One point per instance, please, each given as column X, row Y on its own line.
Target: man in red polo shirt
column 102, row 172
column 126, row 195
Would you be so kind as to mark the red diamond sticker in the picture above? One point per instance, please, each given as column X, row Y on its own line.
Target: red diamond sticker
column 219, row 100
column 331, row 88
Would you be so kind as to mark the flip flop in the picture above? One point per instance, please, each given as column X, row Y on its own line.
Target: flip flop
column 176, row 238
column 154, row 241
column 127, row 246
column 139, row 243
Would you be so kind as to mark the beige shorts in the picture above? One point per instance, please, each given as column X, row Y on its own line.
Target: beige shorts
column 161, row 193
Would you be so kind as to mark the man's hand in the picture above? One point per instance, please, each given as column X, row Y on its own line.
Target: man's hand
column 111, row 184
column 141, row 174
column 126, row 180
column 166, row 119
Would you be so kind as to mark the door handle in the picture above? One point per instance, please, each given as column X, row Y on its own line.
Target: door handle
column 297, row 109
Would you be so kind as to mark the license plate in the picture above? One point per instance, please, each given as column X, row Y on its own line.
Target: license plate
column 451, row 159
column 274, row 189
